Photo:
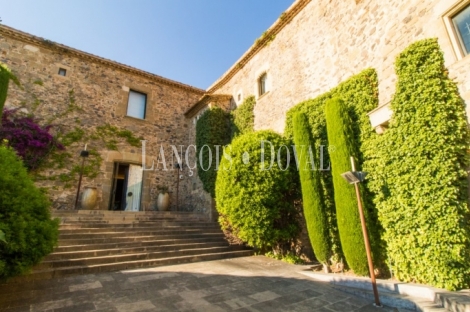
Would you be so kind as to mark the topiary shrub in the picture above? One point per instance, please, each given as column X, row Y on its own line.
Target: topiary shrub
column 360, row 95
column 418, row 172
column 212, row 129
column 30, row 234
column 312, row 197
column 243, row 118
column 340, row 135
column 257, row 201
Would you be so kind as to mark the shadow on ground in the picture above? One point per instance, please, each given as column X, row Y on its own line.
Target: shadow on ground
column 242, row 284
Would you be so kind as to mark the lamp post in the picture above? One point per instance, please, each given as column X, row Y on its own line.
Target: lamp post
column 356, row 177
column 178, row 167
column 84, row 154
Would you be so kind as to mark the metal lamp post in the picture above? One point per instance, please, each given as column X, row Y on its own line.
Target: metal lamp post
column 178, row 167
column 84, row 154
column 356, row 177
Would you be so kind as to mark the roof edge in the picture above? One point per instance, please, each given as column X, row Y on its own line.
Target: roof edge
column 203, row 101
column 50, row 45
column 259, row 44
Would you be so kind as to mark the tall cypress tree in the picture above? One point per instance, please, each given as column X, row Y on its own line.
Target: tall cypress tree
column 340, row 136
column 313, row 205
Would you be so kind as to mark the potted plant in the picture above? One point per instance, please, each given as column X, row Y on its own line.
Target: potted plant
column 163, row 199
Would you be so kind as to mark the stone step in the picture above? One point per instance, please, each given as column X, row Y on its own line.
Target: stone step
column 101, row 241
column 114, row 213
column 455, row 301
column 61, row 255
column 118, row 258
column 105, row 224
column 93, row 269
column 426, row 298
column 155, row 232
column 134, row 229
column 155, row 242
column 135, row 238
column 124, row 218
column 400, row 301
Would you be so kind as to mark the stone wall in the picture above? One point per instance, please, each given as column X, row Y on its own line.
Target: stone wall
column 328, row 41
column 99, row 88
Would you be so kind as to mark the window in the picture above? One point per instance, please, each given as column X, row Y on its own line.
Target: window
column 262, row 84
column 136, row 104
column 461, row 23
column 62, row 72
column 239, row 97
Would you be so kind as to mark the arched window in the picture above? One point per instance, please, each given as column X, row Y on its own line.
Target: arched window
column 262, row 81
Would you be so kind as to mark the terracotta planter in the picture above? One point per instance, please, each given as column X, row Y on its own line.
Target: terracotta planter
column 163, row 202
column 89, row 198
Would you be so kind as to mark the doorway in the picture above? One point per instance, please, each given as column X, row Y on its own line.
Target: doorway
column 126, row 192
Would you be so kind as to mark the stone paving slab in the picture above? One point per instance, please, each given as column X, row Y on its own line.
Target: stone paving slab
column 242, row 284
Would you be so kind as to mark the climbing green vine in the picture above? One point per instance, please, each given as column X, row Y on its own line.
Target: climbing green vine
column 64, row 166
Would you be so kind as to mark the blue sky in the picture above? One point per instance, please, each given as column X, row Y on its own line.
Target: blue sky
column 191, row 41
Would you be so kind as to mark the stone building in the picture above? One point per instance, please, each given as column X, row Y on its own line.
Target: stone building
column 73, row 89
column 311, row 48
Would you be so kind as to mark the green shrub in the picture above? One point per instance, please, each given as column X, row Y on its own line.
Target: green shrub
column 243, row 118
column 418, row 171
column 289, row 257
column 212, row 128
column 340, row 135
column 30, row 234
column 257, row 204
column 360, row 94
column 312, row 197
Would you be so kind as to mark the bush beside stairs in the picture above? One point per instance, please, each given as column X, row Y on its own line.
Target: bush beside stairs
column 102, row 241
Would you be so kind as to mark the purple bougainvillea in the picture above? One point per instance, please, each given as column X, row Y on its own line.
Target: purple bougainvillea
column 32, row 142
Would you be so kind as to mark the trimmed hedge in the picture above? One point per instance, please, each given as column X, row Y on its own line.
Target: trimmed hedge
column 360, row 95
column 243, row 118
column 30, row 234
column 312, row 197
column 349, row 224
column 258, row 205
column 418, row 172
column 212, row 128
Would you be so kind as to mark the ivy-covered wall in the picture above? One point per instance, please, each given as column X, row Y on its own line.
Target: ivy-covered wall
column 243, row 117
column 212, row 130
column 418, row 172
column 360, row 95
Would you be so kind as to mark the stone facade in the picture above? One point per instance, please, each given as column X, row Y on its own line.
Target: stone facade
column 311, row 48
column 100, row 89
column 319, row 43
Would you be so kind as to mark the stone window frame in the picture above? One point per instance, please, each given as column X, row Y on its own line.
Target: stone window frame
column 122, row 107
column 57, row 67
column 453, row 35
column 262, row 84
column 264, row 69
column 238, row 97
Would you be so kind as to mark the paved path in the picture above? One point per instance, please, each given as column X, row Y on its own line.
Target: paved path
column 243, row 284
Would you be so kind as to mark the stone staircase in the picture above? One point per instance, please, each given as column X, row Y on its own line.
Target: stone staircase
column 93, row 241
